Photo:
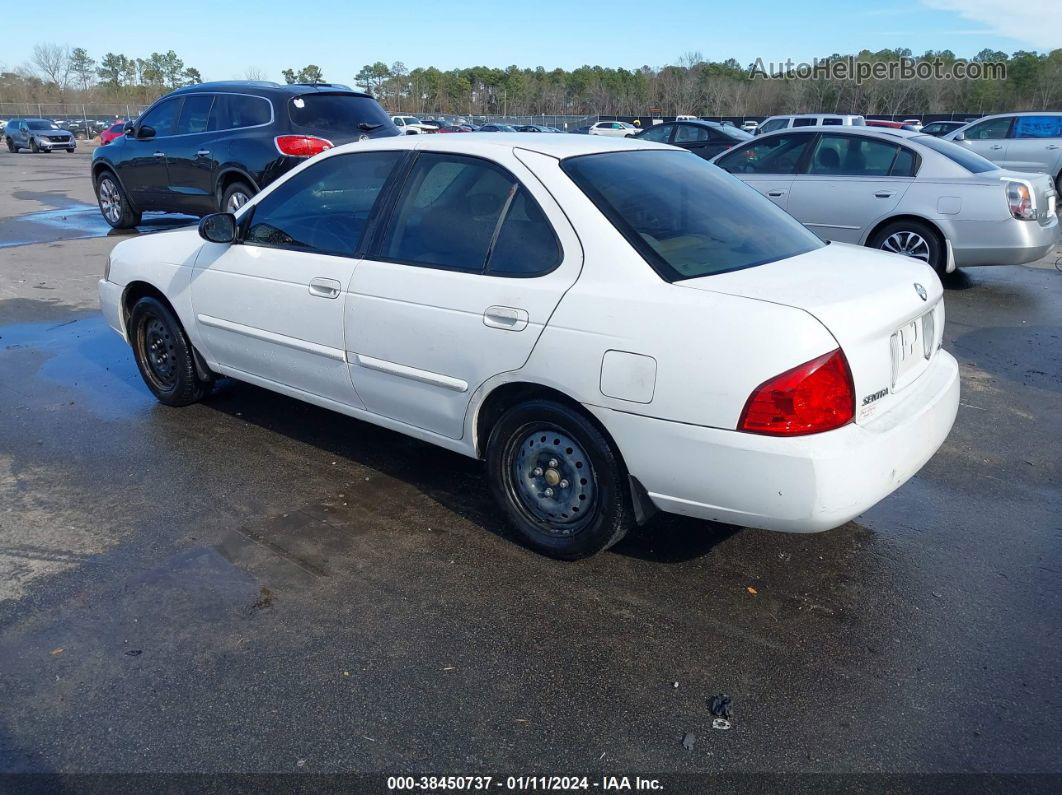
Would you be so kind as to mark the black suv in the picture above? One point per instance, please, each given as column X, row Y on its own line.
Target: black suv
column 212, row 146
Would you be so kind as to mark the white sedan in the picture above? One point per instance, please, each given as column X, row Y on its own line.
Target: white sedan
column 613, row 129
column 614, row 326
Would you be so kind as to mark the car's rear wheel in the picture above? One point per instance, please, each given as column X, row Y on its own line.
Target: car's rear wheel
column 235, row 196
column 164, row 355
column 559, row 479
column 912, row 239
column 114, row 205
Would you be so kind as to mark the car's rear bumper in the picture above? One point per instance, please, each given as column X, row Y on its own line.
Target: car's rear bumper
column 801, row 484
column 111, row 306
column 1010, row 242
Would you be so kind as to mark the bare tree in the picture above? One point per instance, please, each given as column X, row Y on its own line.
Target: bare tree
column 253, row 73
column 53, row 60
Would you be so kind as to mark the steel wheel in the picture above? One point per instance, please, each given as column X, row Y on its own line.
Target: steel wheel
column 236, row 200
column 552, row 480
column 110, row 200
column 158, row 346
column 910, row 244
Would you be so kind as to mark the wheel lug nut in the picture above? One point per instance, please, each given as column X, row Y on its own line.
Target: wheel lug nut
column 548, row 492
column 563, row 484
column 538, row 472
column 553, row 462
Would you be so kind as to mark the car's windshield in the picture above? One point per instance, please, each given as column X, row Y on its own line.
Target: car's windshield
column 42, row 125
column 687, row 218
column 971, row 161
column 340, row 113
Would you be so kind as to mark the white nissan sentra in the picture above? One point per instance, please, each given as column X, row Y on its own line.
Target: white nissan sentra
column 614, row 326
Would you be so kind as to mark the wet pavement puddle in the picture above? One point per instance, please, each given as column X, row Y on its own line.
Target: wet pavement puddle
column 76, row 222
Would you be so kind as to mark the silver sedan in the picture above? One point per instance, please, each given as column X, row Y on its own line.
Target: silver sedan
column 903, row 192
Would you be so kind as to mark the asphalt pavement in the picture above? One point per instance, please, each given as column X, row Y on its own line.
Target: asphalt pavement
column 255, row 584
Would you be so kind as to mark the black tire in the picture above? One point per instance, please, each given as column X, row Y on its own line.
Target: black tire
column 914, row 239
column 33, row 145
column 11, row 146
column 114, row 204
column 232, row 193
column 70, row 151
column 592, row 508
column 164, row 355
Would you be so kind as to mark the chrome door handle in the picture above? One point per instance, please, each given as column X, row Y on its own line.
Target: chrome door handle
column 505, row 317
column 324, row 288
column 997, row 146
column 202, row 153
column 776, row 193
column 885, row 194
column 160, row 154
column 1051, row 146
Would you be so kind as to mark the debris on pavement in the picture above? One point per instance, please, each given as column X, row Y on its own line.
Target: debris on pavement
column 721, row 723
column 134, row 652
column 721, row 706
column 688, row 740
column 751, row 590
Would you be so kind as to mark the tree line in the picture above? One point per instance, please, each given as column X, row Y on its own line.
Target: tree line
column 694, row 85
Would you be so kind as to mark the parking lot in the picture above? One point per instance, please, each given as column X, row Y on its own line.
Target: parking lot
column 256, row 584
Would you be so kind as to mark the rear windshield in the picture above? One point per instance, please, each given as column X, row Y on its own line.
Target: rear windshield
column 340, row 113
column 687, row 218
column 971, row 161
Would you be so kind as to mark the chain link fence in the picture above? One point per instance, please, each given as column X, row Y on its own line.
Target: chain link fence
column 90, row 111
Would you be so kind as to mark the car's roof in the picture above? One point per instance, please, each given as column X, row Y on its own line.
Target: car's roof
column 1020, row 113
column 559, row 146
column 266, row 86
column 869, row 132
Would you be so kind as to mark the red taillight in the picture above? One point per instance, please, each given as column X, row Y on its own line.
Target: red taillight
column 301, row 145
column 814, row 397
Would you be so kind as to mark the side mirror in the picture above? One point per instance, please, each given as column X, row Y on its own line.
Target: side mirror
column 145, row 132
column 218, row 228
column 128, row 129
column 959, row 137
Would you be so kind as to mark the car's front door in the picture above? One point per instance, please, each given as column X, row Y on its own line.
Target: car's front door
column 143, row 166
column 989, row 138
column 457, row 287
column 850, row 182
column 769, row 163
column 1035, row 144
column 271, row 306
column 190, row 164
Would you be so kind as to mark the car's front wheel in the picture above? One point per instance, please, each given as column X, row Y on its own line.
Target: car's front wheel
column 11, row 146
column 114, row 204
column 33, row 145
column 912, row 239
column 559, row 479
column 164, row 355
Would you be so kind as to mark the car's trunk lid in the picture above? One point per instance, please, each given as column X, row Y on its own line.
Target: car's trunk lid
column 871, row 302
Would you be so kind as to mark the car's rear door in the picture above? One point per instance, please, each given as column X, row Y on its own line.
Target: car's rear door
column 1035, row 144
column 696, row 138
column 457, row 287
column 850, row 182
column 271, row 307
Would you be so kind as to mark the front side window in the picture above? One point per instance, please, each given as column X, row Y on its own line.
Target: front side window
column 772, row 125
column 194, row 114
column 854, row 155
column 324, row 209
column 660, row 133
column 831, row 122
column 778, row 154
column 690, row 134
column 990, row 130
column 466, row 214
column 684, row 216
column 163, row 117
column 1037, row 127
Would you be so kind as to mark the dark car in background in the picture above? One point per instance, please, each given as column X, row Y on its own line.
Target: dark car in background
column 704, row 138
column 496, row 128
column 37, row 135
column 212, row 146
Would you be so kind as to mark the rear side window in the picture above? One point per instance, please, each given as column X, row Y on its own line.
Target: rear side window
column 971, row 161
column 778, row 154
column 684, row 216
column 324, row 209
column 339, row 113
column 856, row 156
column 828, row 121
column 233, row 111
column 804, row 122
column 1037, row 127
column 690, row 134
column 466, row 214
column 194, row 114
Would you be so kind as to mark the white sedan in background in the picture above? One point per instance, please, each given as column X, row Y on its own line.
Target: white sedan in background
column 613, row 129
column 614, row 326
